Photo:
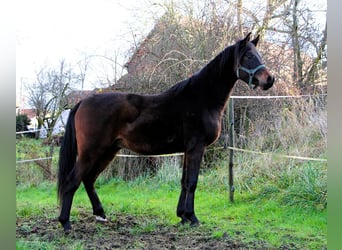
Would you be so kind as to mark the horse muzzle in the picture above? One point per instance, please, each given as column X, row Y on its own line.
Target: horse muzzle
column 263, row 79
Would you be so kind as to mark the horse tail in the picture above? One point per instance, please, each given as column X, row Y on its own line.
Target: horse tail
column 67, row 154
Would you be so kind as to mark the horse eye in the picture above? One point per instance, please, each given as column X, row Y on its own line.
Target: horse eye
column 249, row 56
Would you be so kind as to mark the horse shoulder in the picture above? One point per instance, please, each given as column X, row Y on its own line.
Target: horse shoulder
column 210, row 125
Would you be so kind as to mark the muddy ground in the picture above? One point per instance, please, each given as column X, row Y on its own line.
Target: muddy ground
column 126, row 232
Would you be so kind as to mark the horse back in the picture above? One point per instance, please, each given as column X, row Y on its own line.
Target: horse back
column 146, row 124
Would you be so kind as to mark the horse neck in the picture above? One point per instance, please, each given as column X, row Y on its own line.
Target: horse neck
column 218, row 77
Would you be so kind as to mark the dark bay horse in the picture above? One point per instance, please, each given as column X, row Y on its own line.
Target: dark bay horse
column 185, row 118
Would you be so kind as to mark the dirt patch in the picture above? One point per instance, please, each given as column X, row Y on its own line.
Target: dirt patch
column 124, row 232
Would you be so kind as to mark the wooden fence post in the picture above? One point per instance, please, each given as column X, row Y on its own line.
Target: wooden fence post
column 231, row 151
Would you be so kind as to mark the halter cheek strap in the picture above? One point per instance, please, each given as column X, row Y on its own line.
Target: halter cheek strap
column 250, row 72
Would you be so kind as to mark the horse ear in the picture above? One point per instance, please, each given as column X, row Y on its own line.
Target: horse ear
column 256, row 40
column 246, row 39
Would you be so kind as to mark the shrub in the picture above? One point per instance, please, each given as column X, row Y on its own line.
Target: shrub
column 22, row 121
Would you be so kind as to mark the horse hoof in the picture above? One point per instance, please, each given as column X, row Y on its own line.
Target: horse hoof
column 183, row 222
column 67, row 229
column 66, row 226
column 100, row 219
column 195, row 224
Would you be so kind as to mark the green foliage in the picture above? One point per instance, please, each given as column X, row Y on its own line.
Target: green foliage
column 22, row 121
column 302, row 185
column 31, row 173
column 308, row 188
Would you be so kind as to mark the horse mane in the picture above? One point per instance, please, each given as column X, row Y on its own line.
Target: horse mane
column 236, row 52
column 216, row 66
column 219, row 62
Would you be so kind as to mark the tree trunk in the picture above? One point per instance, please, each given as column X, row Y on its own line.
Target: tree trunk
column 239, row 19
column 312, row 74
column 297, row 60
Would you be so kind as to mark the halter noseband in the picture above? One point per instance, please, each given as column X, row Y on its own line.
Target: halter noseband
column 250, row 72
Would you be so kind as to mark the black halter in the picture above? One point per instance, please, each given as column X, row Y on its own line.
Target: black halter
column 250, row 72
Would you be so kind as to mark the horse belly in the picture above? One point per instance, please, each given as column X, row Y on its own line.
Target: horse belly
column 152, row 140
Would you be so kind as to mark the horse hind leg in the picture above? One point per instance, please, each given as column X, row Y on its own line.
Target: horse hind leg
column 89, row 180
column 73, row 182
column 98, row 210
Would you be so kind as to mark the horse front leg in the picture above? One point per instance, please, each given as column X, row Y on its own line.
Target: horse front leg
column 191, row 166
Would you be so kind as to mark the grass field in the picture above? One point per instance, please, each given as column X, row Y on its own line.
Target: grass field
column 260, row 218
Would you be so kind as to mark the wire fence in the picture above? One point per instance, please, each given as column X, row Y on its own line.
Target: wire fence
column 217, row 148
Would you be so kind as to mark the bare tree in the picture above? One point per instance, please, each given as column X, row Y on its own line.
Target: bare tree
column 239, row 16
column 83, row 65
column 48, row 96
column 319, row 62
column 298, row 28
column 272, row 6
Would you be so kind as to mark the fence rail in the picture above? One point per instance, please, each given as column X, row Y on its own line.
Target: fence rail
column 32, row 160
column 232, row 148
column 274, row 96
column 27, row 131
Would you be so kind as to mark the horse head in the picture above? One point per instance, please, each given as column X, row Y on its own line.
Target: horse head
column 249, row 65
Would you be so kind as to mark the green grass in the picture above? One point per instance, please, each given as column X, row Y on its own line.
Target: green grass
column 30, row 173
column 257, row 215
